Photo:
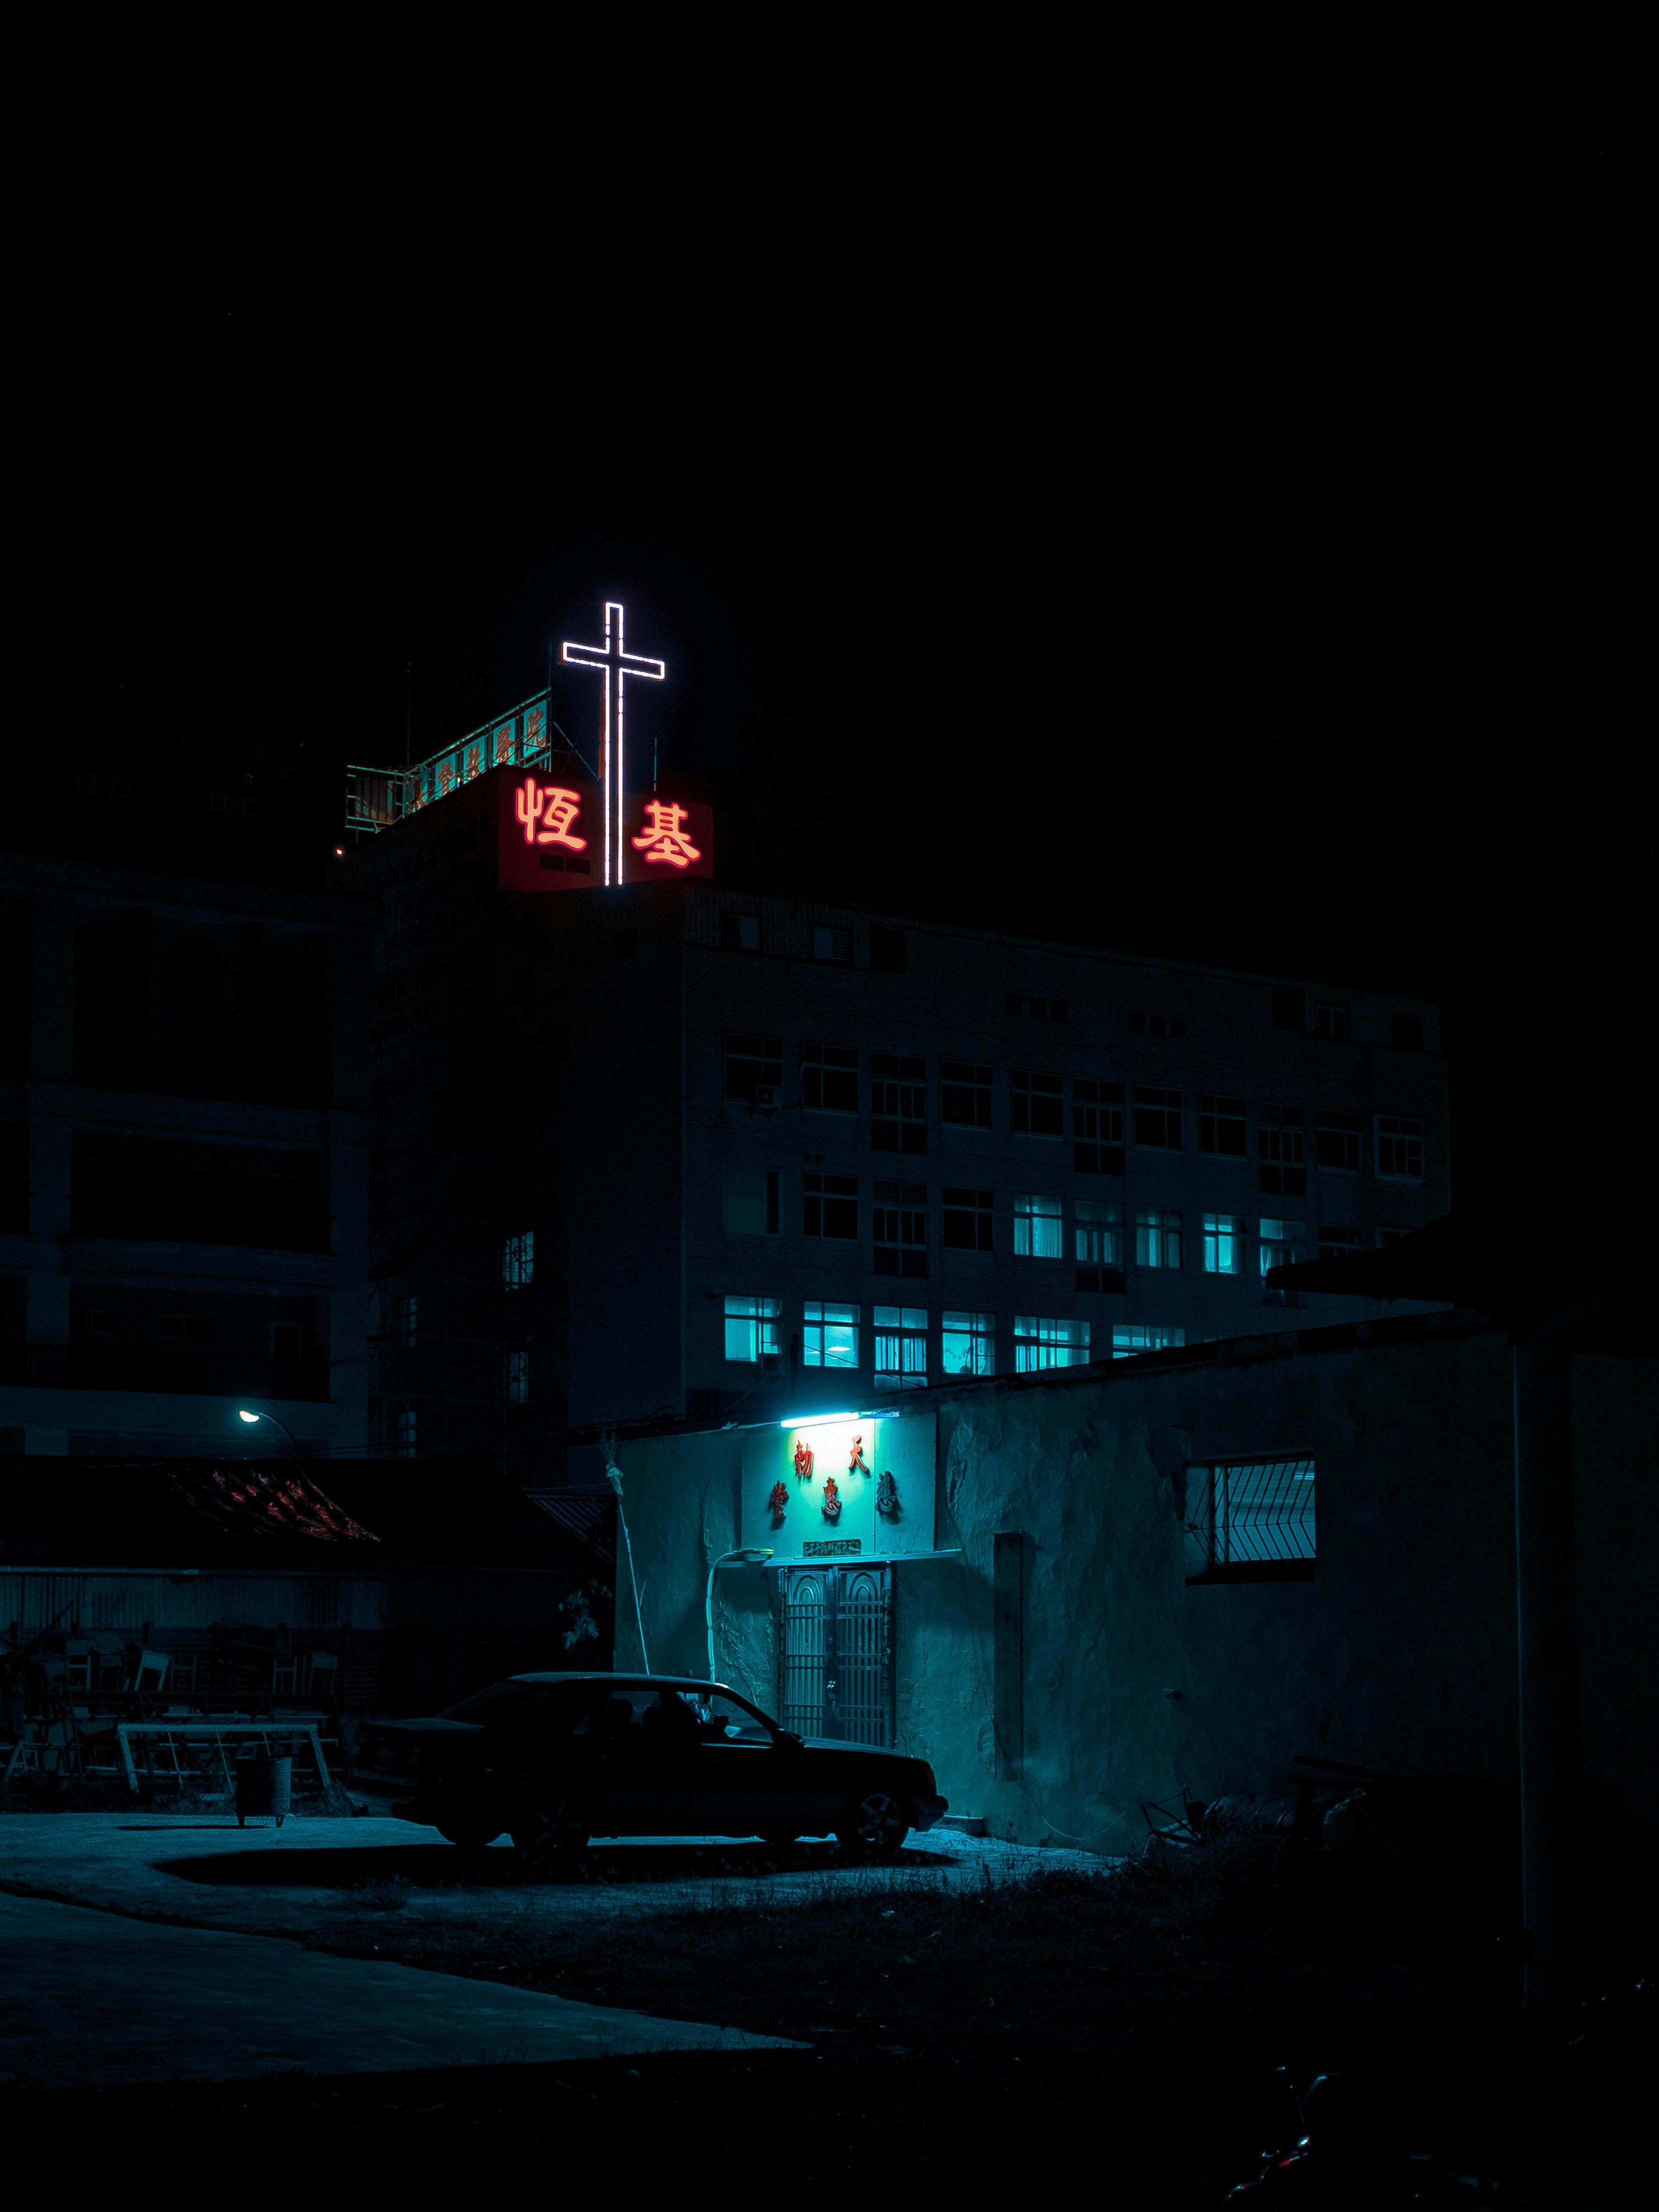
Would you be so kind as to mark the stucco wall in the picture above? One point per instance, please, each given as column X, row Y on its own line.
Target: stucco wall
column 1400, row 1650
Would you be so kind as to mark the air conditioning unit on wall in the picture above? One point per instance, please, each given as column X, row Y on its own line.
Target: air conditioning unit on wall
column 768, row 1098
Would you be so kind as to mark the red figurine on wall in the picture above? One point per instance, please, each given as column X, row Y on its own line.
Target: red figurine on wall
column 779, row 1502
column 831, row 1499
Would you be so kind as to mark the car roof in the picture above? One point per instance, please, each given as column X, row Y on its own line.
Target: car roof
column 629, row 1681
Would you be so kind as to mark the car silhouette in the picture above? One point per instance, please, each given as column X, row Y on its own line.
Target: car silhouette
column 557, row 1759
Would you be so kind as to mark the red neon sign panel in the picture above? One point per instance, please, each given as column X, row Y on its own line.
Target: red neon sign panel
column 551, row 833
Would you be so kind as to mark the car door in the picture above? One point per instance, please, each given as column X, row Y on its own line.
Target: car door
column 750, row 1781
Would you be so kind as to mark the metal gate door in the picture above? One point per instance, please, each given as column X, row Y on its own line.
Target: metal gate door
column 834, row 1653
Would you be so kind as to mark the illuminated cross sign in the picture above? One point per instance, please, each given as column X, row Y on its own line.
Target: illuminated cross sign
column 606, row 658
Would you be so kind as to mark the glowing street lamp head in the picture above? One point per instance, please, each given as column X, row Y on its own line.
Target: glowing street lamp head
column 242, row 1414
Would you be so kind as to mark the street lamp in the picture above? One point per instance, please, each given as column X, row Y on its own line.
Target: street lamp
column 753, row 1555
column 243, row 1414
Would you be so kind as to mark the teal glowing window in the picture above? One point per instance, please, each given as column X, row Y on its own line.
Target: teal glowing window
column 1224, row 1244
column 1157, row 1238
column 902, row 1347
column 1037, row 1231
column 1041, row 1342
column 1097, row 1227
column 967, row 1344
column 519, row 1261
column 830, row 1334
column 1128, row 1339
column 752, row 1327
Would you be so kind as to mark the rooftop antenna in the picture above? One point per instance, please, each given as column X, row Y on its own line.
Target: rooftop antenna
column 408, row 710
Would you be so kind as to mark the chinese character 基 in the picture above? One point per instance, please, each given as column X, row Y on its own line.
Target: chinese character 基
column 664, row 838
column 555, row 808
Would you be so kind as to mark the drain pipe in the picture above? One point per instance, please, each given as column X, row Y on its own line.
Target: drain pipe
column 613, row 1476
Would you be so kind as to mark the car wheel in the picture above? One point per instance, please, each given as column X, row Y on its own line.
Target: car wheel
column 874, row 1826
column 550, row 1838
column 468, row 1835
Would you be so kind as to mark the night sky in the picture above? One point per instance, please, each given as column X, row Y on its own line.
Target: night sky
column 1285, row 668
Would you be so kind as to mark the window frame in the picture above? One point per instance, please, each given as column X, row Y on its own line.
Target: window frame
column 1168, row 1103
column 1158, row 1231
column 1280, row 1545
column 818, row 1197
column 976, row 1079
column 1032, row 1091
column 1217, row 1115
column 1032, row 1207
column 1214, row 1234
column 769, row 1062
column 905, row 1334
column 957, row 1324
column 1029, row 1337
column 823, row 1065
column 820, row 1315
column 1399, row 1135
column 953, row 1200
column 762, row 1320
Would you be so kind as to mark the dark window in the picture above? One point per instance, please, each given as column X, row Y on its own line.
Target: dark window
column 152, row 1190
column 1097, row 1128
column 1157, row 1118
column 1137, row 1021
column 1157, row 1025
column 967, row 1221
column 964, row 1094
column 1332, row 1021
column 1337, row 1141
column 750, row 1061
column 829, row 943
column 1290, row 1010
column 888, row 949
column 832, row 1205
column 829, row 1078
column 1278, row 1144
column 1250, row 1521
column 740, row 933
column 1036, row 1103
column 1400, row 1147
column 1333, row 1243
column 898, row 1102
column 1407, row 1032
column 1221, row 1128
column 1013, row 1002
column 900, row 1228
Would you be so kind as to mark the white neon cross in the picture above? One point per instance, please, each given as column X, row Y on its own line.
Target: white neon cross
column 604, row 657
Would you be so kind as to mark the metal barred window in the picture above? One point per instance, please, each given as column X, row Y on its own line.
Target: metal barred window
column 1250, row 1521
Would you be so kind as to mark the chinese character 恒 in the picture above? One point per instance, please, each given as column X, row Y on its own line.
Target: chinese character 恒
column 553, row 808
column 664, row 838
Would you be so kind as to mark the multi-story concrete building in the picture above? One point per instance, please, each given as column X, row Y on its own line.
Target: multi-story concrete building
column 183, row 1165
column 673, row 1148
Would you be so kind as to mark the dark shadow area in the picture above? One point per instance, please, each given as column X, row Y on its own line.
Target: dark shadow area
column 447, row 1866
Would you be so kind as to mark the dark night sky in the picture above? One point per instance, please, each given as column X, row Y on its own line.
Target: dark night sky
column 1271, row 655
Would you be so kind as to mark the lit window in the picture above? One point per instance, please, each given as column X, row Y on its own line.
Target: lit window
column 406, row 1312
column 901, row 1347
column 1333, row 1243
column 829, row 1336
column 1278, row 1144
column 1157, row 1238
column 516, row 1377
column 1337, row 1139
column 1282, row 1246
column 752, row 1327
column 1221, row 1128
column 1224, row 1244
column 1036, row 1227
column 1040, row 1342
column 1250, row 1521
column 1036, row 1104
column 898, row 1104
column 966, row 1223
column 406, row 1432
column 1400, row 1147
column 1128, row 1340
column 1097, row 1128
column 967, row 1344
column 831, row 944
column 519, row 1261
column 829, row 1078
column 832, row 1205
column 752, row 1061
column 964, row 1094
column 1332, row 1021
column 1157, row 1118
column 751, row 1207
column 901, row 1229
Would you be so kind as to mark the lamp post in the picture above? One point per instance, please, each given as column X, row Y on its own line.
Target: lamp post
column 243, row 1414
column 753, row 1555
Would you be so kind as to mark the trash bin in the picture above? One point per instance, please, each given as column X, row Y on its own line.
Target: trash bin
column 262, row 1787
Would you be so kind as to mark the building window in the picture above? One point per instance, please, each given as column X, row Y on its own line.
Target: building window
column 830, row 1335
column 752, row 1328
column 831, row 944
column 405, row 1432
column 1336, row 1141
column 901, row 1347
column 832, row 1207
column 1400, row 1148
column 1037, row 1227
column 1097, row 1233
column 1391, row 1236
column 898, row 1104
column 1224, row 1244
column 967, row 1344
column 1041, row 1342
column 751, row 1207
column 1157, row 1118
column 1157, row 1025
column 1133, row 1337
column 1097, row 1128
column 1158, row 1238
column 967, row 1221
column 1250, row 1521
column 519, row 1261
column 753, row 1062
column 1036, row 1103
column 1036, row 1010
column 740, row 933
column 901, row 1229
column 1333, row 1021
column 406, row 1316
column 829, row 1078
column 516, row 1377
column 1335, row 1242
column 1278, row 1145
column 1282, row 1246
column 1406, row 1032
column 964, row 1094
column 1221, row 1128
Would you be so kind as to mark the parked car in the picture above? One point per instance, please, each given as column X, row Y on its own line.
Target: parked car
column 556, row 1758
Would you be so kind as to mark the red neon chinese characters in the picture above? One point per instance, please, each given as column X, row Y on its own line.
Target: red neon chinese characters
column 664, row 837
column 555, row 808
